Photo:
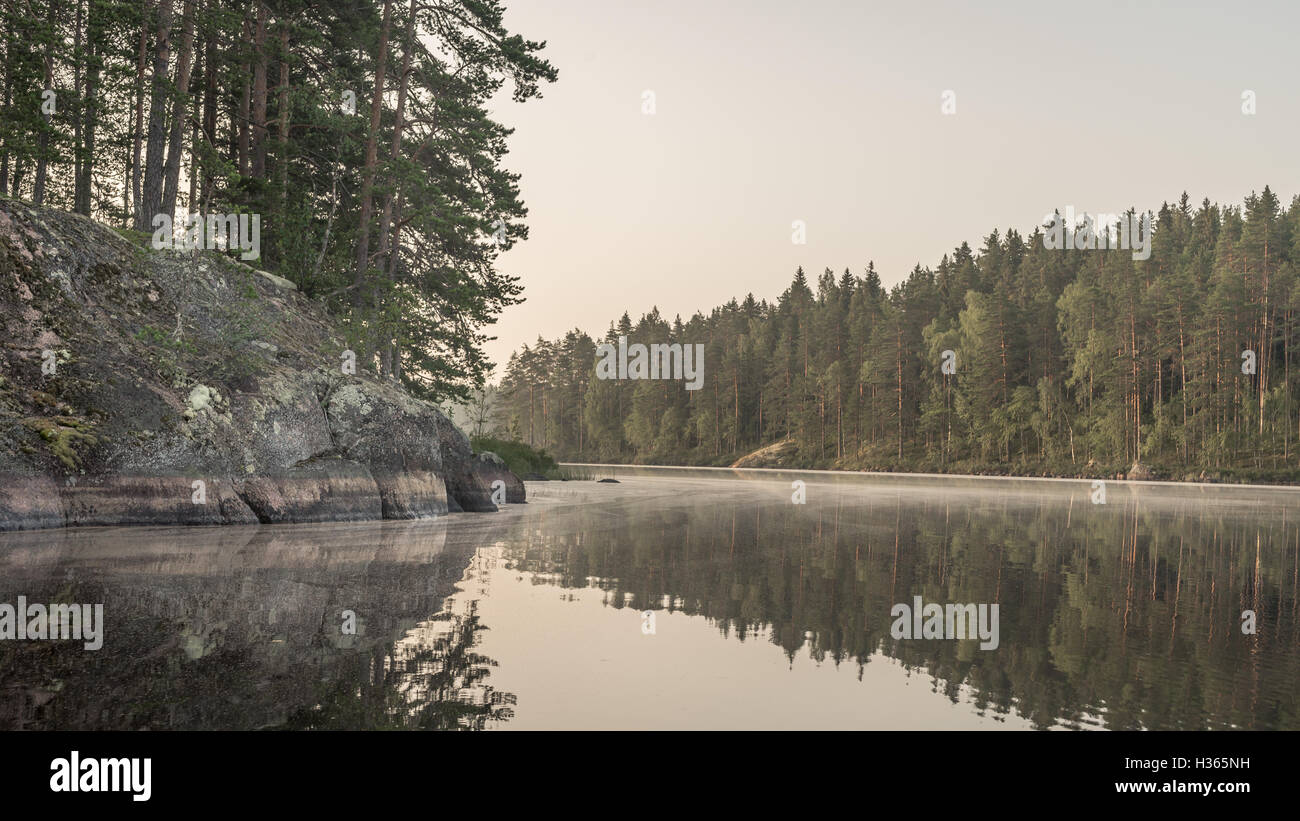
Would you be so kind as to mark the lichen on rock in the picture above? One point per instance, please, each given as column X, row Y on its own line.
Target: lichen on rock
column 171, row 368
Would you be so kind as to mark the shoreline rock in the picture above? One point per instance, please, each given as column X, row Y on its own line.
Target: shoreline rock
column 128, row 375
column 1139, row 472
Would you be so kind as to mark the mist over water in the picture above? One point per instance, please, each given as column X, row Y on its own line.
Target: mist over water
column 764, row 613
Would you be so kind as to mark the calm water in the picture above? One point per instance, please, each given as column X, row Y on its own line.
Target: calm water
column 766, row 614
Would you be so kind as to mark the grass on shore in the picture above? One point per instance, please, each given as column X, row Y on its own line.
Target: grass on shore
column 524, row 461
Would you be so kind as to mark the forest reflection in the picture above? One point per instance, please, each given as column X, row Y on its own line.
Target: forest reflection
column 241, row 628
column 1125, row 615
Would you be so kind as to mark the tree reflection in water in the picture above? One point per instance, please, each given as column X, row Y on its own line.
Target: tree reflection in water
column 430, row 679
column 1126, row 615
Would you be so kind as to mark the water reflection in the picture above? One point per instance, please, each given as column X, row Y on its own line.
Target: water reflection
column 242, row 628
column 1123, row 615
column 768, row 613
column 430, row 679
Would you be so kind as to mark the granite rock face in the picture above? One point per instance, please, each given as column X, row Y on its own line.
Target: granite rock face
column 1140, row 472
column 160, row 387
column 475, row 483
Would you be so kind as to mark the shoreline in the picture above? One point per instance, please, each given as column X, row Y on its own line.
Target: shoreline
column 966, row 476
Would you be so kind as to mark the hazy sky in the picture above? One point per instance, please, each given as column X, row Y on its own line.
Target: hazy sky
column 830, row 112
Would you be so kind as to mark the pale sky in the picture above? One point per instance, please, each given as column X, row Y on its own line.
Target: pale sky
column 830, row 112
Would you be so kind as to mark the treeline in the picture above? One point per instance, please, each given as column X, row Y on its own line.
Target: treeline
column 1067, row 362
column 356, row 129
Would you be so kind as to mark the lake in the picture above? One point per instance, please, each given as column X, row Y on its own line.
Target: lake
column 685, row 599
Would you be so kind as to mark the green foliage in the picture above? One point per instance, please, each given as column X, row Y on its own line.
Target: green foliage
column 520, row 458
column 168, row 353
column 247, row 97
column 1068, row 363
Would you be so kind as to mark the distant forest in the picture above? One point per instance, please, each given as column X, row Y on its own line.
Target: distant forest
column 1067, row 362
column 357, row 130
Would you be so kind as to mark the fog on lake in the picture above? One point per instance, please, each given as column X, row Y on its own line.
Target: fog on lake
column 684, row 599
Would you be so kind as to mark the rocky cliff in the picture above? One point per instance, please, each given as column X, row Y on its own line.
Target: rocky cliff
column 151, row 387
